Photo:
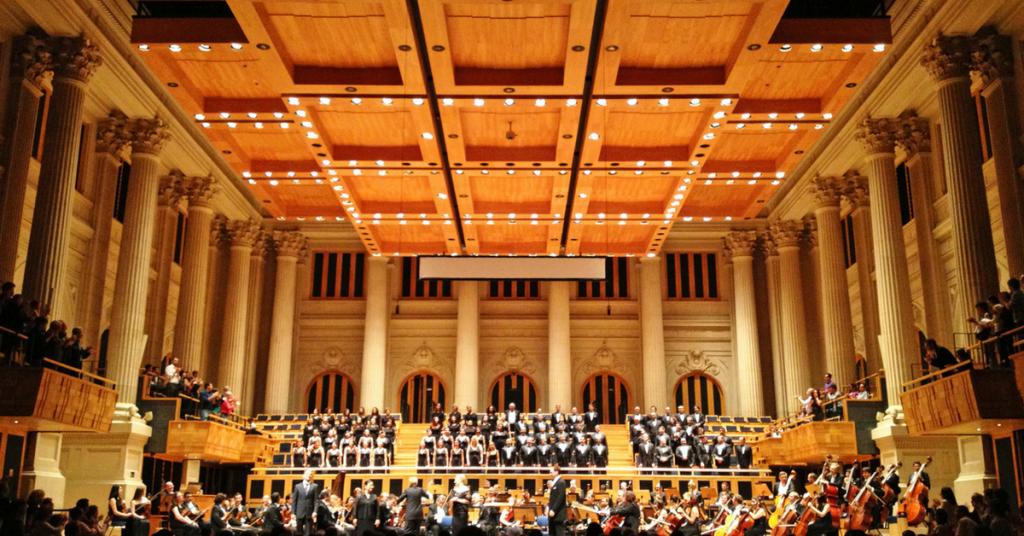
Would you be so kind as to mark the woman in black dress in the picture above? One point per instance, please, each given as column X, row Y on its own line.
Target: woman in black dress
column 499, row 436
column 423, row 455
column 475, row 453
column 365, row 452
column 492, row 456
column 298, row 455
column 460, row 501
column 438, row 413
column 441, row 455
column 351, row 455
column 458, row 456
column 822, row 524
column 760, row 516
column 315, row 454
column 690, row 513
column 334, row 456
column 435, row 427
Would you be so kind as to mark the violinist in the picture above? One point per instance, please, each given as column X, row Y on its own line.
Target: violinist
column 690, row 512
column 272, row 513
column 508, row 518
column 139, row 507
column 759, row 514
column 386, row 510
column 628, row 510
column 193, row 511
column 236, row 515
column 179, row 521
column 218, row 513
column 323, row 517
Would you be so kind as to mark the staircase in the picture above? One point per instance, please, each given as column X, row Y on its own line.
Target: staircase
column 620, row 452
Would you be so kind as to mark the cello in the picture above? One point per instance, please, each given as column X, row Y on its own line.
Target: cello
column 787, row 520
column 889, row 496
column 806, row 518
column 917, row 493
column 832, row 496
column 781, row 509
column 862, row 506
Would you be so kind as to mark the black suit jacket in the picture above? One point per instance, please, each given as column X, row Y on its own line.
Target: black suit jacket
column 304, row 498
column 631, row 513
column 217, row 519
column 744, row 456
column 413, row 498
column 556, row 501
column 324, row 517
column 272, row 518
column 366, row 508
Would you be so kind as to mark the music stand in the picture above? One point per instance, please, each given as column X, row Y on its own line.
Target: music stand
column 525, row 514
column 761, row 490
column 812, row 488
column 643, row 495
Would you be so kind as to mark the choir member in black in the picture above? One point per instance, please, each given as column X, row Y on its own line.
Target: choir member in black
column 591, row 418
column 581, row 456
column 438, row 412
column 509, row 455
column 298, row 455
column 597, row 434
column 722, row 453
column 563, row 451
column 645, row 458
column 492, row 456
column 705, row 452
column 521, row 439
column 744, row 454
column 579, row 435
column 333, row 456
column 636, row 433
column 538, row 420
column 599, row 452
column 435, row 427
column 429, row 440
column 662, row 435
column 499, row 436
column 698, row 416
column 683, row 454
column 542, row 434
column 351, row 455
column 445, row 439
column 663, row 454
column 528, row 454
column 366, row 509
column 512, row 415
column 441, row 455
column 380, row 457
column 545, row 450
column 423, row 455
column 479, row 437
column 462, row 439
column 365, row 456
column 629, row 510
column 413, row 497
column 557, row 415
column 454, row 423
column 458, row 456
column 488, row 422
column 460, row 501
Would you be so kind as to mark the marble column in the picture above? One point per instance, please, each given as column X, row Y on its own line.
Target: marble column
column 916, row 143
column 787, row 236
column 725, row 292
column 188, row 326
column 896, row 314
column 748, row 368
column 289, row 246
column 948, row 60
column 860, row 215
column 835, row 289
column 252, row 328
column 127, row 340
column 75, row 61
column 992, row 62
column 559, row 345
column 652, row 333
column 112, row 148
column 774, row 275
column 30, row 71
column 375, row 336
column 213, row 311
column 170, row 203
column 467, row 345
column 242, row 233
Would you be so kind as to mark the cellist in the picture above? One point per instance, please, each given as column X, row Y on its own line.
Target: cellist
column 822, row 524
column 759, row 514
column 628, row 510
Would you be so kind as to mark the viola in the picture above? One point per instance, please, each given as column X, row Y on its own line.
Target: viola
column 917, row 493
column 861, row 507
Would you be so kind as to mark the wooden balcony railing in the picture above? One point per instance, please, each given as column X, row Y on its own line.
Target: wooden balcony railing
column 56, row 398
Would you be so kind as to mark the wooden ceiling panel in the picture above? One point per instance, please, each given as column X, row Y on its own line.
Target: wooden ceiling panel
column 308, row 199
column 614, row 196
column 613, row 239
column 721, row 200
column 231, row 79
column 272, row 144
column 649, row 129
column 410, row 195
column 794, row 75
column 754, row 144
column 520, row 238
column 504, row 195
column 533, row 127
column 333, row 34
column 508, row 35
column 369, row 126
column 671, row 36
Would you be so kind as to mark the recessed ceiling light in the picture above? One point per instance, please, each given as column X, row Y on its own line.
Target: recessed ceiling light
column 800, row 115
column 379, row 162
column 417, row 101
column 563, row 172
column 602, row 102
column 307, row 124
column 715, row 125
column 428, row 136
column 536, row 172
column 740, row 126
column 325, row 162
column 662, row 102
column 356, row 100
column 594, row 136
column 879, row 48
column 144, row 48
column 772, row 115
column 386, row 101
column 206, row 125
column 780, row 174
column 826, row 116
column 638, row 172
column 668, row 163
column 204, row 48
column 570, row 102
column 224, row 115
column 175, row 48
column 719, row 115
column 815, row 48
column 510, row 102
column 284, row 125
column 694, row 102
column 458, row 172
column 511, row 172
column 586, row 172
column 278, row 115
column 819, row 126
column 847, row 48
column 540, row 102
column 712, row 175
column 312, row 135
column 786, row 48
column 200, row 117
column 792, row 126
column 478, row 102
column 325, row 100
column 447, row 102
column 273, row 182
column 236, row 46
column 583, row 196
column 766, row 126
column 694, row 163
column 631, row 102
column 709, row 136
column 485, row 172
column 745, row 116
column 641, row 163
column 613, row 172
column 232, row 124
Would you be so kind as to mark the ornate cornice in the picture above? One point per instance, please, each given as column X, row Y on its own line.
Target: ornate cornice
column 787, row 233
column 827, row 191
column 74, row 58
column 112, row 135
column 741, row 243
column 172, row 192
column 878, row 135
column 915, row 136
column 992, row 58
column 949, row 56
column 243, row 232
column 857, row 190
column 289, row 244
column 200, row 191
column 31, row 59
column 147, row 136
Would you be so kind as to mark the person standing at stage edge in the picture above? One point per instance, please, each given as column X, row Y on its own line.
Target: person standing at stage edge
column 304, row 498
column 557, row 513
column 366, row 510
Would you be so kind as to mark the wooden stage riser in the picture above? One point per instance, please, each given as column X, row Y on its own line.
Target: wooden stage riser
column 265, row 484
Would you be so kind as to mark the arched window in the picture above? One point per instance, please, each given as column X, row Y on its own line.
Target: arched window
column 610, row 397
column 418, row 395
column 514, row 388
column 699, row 389
column 333, row 390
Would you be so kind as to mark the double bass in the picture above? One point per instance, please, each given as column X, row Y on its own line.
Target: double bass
column 862, row 506
column 917, row 493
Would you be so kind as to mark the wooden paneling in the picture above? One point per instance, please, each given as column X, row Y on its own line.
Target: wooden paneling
column 534, row 127
column 963, row 403
column 38, row 399
column 658, row 32
column 256, row 449
column 811, row 442
column 333, row 34
column 371, row 125
column 204, row 440
column 508, row 35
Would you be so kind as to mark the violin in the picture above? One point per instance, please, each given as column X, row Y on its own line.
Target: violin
column 917, row 493
column 862, row 506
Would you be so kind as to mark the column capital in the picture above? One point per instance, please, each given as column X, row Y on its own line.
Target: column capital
column 948, row 57
column 878, row 135
column 290, row 244
column 811, row 232
column 171, row 193
column 915, row 136
column 243, row 232
column 992, row 58
column 74, row 58
column 856, row 190
column 147, row 136
column 771, row 249
column 112, row 135
column 218, row 228
column 31, row 59
column 200, row 191
column 259, row 245
column 827, row 191
column 741, row 243
column 787, row 233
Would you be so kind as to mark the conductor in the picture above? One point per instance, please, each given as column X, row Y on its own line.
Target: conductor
column 413, row 497
column 557, row 513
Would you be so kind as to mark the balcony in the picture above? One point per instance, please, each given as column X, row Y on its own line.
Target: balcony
column 211, row 440
column 963, row 399
column 56, row 398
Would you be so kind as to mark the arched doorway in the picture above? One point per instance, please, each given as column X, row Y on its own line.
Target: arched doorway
column 514, row 388
column 610, row 396
column 699, row 389
column 333, row 390
column 418, row 395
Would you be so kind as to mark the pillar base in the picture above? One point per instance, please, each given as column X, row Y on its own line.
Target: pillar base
column 897, row 445
column 42, row 467
column 190, row 473
column 92, row 463
column 977, row 467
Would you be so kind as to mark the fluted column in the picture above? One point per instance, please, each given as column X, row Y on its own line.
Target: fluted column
column 992, row 62
column 188, row 327
column 916, row 143
column 127, row 340
column 30, row 70
column 835, row 289
column 236, row 302
column 948, row 60
column 252, row 324
column 213, row 311
column 652, row 333
column 289, row 245
column 559, row 345
column 748, row 363
column 467, row 345
column 112, row 148
column 375, row 337
column 787, row 235
column 774, row 275
column 170, row 203
column 860, row 215
column 74, row 62
column 896, row 315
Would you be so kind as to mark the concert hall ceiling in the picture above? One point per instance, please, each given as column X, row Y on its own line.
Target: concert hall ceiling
column 526, row 127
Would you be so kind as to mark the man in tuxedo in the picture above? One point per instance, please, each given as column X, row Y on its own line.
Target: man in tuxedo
column 272, row 513
column 366, row 510
column 528, row 453
column 217, row 513
column 722, row 453
column 646, row 455
column 684, row 454
column 511, row 414
column 600, row 452
column 574, row 418
column 438, row 509
column 744, row 454
column 681, row 415
column 556, row 415
column 705, row 451
column 590, row 418
column 557, row 511
column 304, row 497
column 538, row 420
column 597, row 434
column 413, row 498
column 783, row 487
column 924, row 476
column 325, row 519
